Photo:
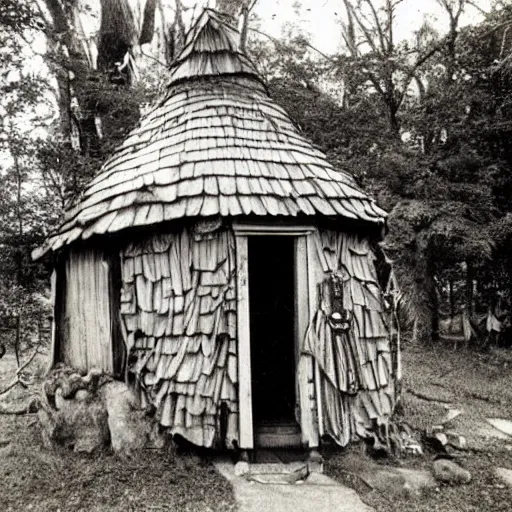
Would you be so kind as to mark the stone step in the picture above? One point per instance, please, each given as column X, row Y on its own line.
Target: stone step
column 280, row 466
column 276, row 467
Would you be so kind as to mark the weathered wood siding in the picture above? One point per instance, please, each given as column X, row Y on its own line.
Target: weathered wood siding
column 178, row 306
column 355, row 381
column 85, row 331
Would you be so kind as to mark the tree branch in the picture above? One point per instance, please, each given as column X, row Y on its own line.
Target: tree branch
column 412, row 71
column 477, row 7
column 158, row 61
column 364, row 29
column 278, row 43
column 18, row 379
column 385, row 47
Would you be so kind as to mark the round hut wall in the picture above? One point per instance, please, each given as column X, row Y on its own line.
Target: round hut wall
column 178, row 309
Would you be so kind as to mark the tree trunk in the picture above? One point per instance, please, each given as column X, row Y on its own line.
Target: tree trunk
column 415, row 330
column 469, row 289
column 426, row 290
column 148, row 22
column 452, row 299
column 17, row 341
column 118, row 33
column 63, row 16
column 394, row 123
column 433, row 303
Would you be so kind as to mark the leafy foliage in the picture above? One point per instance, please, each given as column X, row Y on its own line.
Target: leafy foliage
column 423, row 126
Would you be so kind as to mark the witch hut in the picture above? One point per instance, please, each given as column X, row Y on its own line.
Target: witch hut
column 221, row 262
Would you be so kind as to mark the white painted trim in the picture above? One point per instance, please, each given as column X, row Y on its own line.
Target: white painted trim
column 243, row 228
column 246, row 437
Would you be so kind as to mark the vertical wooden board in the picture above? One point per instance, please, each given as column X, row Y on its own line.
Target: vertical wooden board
column 246, row 440
column 72, row 353
column 302, row 316
column 301, row 293
column 119, row 339
column 314, row 269
column 87, row 311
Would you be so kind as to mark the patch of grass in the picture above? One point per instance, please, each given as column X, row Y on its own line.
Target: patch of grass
column 477, row 384
column 35, row 479
column 40, row 480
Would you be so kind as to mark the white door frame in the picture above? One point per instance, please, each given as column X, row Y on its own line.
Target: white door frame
column 302, row 308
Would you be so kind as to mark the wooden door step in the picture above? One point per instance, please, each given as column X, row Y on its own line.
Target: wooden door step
column 279, row 455
column 278, row 435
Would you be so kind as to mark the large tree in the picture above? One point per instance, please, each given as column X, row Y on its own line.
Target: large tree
column 395, row 123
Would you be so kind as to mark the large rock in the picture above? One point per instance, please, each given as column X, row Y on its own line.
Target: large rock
column 72, row 414
column 89, row 412
column 81, row 426
column 504, row 426
column 130, row 429
column 406, row 482
column 389, row 480
column 448, row 472
column 505, row 475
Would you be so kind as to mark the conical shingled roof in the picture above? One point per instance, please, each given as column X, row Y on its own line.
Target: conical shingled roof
column 216, row 145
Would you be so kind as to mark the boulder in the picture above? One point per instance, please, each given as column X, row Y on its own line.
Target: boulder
column 389, row 480
column 416, row 480
column 505, row 475
column 69, row 420
column 457, row 441
column 76, row 425
column 449, row 472
column 88, row 412
column 400, row 481
column 130, row 429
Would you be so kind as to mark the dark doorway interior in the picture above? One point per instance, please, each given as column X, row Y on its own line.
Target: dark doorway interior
column 271, row 300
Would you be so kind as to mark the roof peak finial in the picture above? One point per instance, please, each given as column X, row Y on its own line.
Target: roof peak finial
column 212, row 48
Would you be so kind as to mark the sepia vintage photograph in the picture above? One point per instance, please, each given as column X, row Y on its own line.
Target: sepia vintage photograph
column 256, row 255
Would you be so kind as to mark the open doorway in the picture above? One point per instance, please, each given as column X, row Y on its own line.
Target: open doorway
column 272, row 321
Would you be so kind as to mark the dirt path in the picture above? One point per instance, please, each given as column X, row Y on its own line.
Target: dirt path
column 318, row 493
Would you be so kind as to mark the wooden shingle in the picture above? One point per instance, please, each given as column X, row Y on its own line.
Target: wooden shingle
column 216, row 144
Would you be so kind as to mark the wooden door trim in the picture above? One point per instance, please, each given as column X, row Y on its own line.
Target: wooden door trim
column 303, row 286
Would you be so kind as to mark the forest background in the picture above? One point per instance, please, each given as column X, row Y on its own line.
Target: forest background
column 424, row 123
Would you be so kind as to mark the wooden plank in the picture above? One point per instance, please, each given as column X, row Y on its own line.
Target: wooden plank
column 87, row 340
column 302, row 316
column 245, row 228
column 246, row 439
column 118, row 339
column 312, row 286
